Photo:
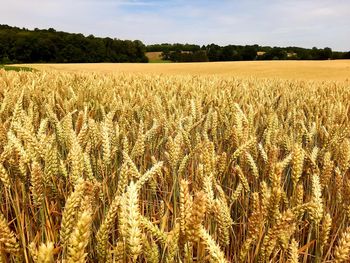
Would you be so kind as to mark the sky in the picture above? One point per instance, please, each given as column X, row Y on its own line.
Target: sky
column 303, row 23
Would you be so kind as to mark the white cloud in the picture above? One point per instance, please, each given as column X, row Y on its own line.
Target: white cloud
column 276, row 22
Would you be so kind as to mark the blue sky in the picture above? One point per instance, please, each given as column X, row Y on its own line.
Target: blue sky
column 305, row 23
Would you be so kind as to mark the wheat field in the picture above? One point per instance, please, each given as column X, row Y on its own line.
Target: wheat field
column 329, row 70
column 138, row 168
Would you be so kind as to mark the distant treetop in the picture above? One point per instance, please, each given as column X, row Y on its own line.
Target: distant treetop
column 179, row 52
column 20, row 45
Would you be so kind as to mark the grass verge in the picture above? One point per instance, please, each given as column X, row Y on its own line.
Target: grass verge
column 15, row 68
column 160, row 61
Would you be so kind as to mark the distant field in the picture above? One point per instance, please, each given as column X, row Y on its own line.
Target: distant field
column 154, row 55
column 303, row 70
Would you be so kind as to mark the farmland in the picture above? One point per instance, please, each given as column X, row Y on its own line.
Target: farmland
column 219, row 162
column 338, row 70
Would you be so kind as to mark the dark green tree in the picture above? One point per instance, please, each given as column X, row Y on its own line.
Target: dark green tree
column 26, row 46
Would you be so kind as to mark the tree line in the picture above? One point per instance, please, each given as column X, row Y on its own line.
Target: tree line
column 189, row 52
column 20, row 45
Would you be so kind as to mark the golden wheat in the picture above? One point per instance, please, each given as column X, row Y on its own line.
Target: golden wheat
column 150, row 168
